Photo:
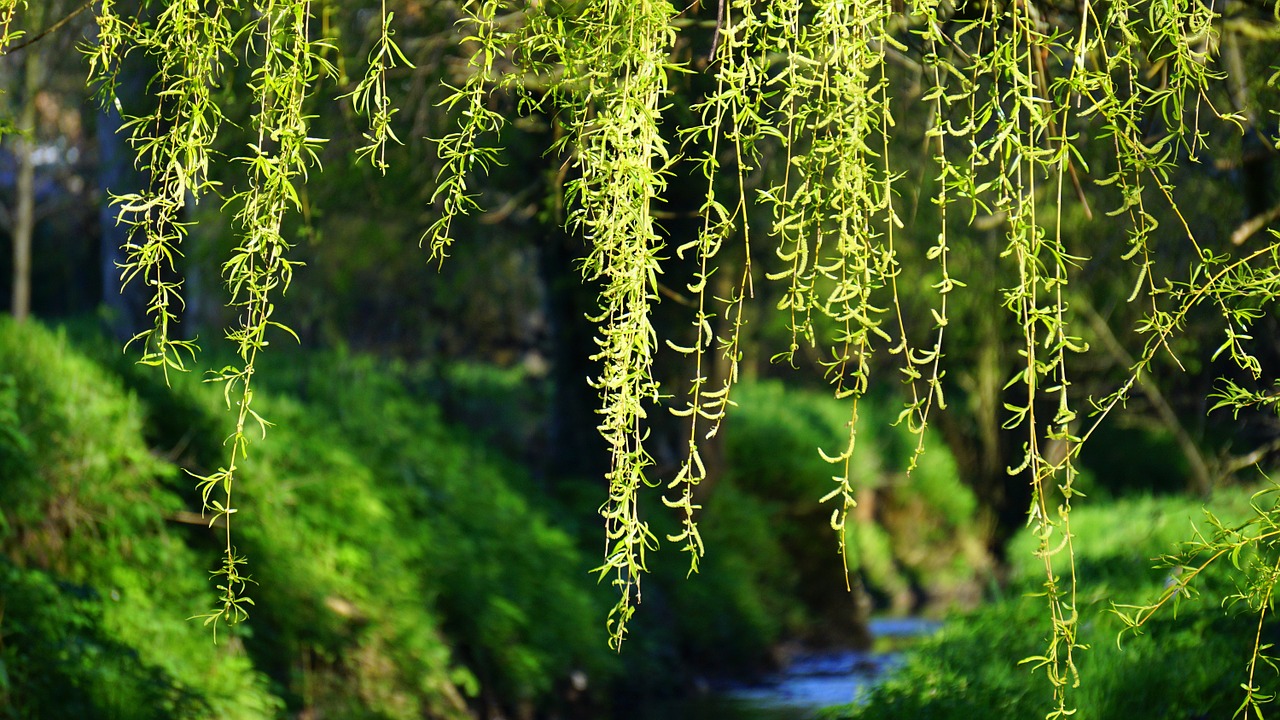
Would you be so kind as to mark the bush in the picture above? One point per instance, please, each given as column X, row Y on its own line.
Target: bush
column 363, row 498
column 59, row 660
column 911, row 531
column 440, row 520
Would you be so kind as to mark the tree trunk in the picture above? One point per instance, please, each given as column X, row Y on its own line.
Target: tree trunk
column 24, row 214
column 575, row 448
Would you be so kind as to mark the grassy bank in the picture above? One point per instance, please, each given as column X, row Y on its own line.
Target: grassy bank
column 405, row 563
column 400, row 570
column 1189, row 661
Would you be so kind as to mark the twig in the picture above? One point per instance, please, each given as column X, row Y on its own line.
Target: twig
column 715, row 36
column 1202, row 479
column 679, row 298
column 1236, row 464
column 52, row 28
column 186, row 517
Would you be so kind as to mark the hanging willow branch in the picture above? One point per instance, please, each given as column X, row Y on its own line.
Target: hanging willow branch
column 803, row 97
column 734, row 117
column 8, row 11
column 259, row 267
column 370, row 97
column 190, row 41
column 461, row 152
column 614, row 86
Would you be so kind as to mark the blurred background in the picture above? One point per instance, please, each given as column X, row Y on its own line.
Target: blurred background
column 421, row 520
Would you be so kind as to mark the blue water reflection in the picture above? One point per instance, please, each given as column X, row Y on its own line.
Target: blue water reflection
column 811, row 681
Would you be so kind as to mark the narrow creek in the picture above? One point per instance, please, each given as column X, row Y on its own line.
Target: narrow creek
column 811, row 681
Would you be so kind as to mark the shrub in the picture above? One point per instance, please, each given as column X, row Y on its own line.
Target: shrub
column 913, row 530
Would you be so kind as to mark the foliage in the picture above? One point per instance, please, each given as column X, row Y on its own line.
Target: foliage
column 1159, row 527
column 614, row 58
column 86, row 501
column 384, row 551
column 921, row 530
column 509, row 594
column 57, row 660
column 1005, row 137
column 775, row 577
column 972, row 669
column 1019, row 98
column 752, row 582
column 192, row 48
column 379, row 594
column 1186, row 666
column 1250, row 547
column 339, row 595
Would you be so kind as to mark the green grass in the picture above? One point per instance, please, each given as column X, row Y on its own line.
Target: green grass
column 85, row 523
column 1185, row 664
column 400, row 567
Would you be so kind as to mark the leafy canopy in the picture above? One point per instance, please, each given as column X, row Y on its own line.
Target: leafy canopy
column 795, row 125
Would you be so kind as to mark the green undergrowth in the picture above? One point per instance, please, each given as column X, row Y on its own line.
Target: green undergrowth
column 772, row 573
column 511, row 588
column 915, row 541
column 97, row 587
column 62, row 659
column 1189, row 661
column 399, row 568
column 403, row 565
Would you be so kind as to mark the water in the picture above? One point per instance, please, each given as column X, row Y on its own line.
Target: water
column 811, row 681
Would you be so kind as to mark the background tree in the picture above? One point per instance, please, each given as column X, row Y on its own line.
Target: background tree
column 47, row 132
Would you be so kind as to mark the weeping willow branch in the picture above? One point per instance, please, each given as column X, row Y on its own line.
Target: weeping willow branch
column 917, row 361
column 833, row 213
column 370, row 98
column 190, row 43
column 8, row 11
column 734, row 115
column 460, row 151
column 259, row 267
column 1251, row 548
column 618, row 81
column 6, row 14
column 1016, row 90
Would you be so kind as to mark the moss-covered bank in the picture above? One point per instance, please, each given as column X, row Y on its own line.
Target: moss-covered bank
column 403, row 565
column 1189, row 661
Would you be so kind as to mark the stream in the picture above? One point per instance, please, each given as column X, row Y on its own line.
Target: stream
column 812, row 681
